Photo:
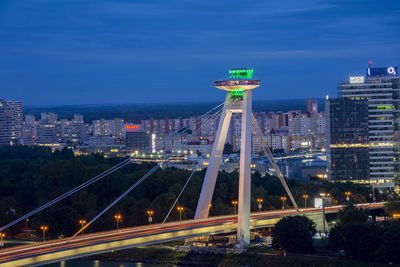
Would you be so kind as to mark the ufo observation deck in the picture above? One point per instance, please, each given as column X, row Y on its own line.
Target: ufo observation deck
column 240, row 79
column 237, row 84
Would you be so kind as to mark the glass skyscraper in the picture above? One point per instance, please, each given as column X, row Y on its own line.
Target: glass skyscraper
column 378, row 142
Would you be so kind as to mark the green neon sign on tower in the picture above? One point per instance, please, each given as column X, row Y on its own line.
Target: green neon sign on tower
column 242, row 73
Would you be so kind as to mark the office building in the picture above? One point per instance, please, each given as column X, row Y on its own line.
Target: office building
column 380, row 88
column 139, row 140
column 348, row 150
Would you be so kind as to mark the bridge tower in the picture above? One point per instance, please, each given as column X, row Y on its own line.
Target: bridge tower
column 239, row 100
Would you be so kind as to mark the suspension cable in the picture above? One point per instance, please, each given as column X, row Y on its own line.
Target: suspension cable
column 118, row 199
column 72, row 191
column 140, row 180
column 96, row 178
column 271, row 159
column 177, row 198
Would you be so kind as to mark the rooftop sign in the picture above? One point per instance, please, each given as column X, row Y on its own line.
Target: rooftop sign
column 387, row 71
column 356, row 79
column 132, row 127
column 242, row 73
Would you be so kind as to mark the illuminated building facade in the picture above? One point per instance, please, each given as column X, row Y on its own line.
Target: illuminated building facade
column 380, row 88
column 348, row 127
column 312, row 105
column 136, row 139
column 11, row 119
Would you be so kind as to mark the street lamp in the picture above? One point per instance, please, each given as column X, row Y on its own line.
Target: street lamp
column 396, row 216
column 2, row 235
column 234, row 203
column 323, row 197
column 260, row 201
column 209, row 207
column 82, row 223
column 118, row 218
column 347, row 194
column 305, row 196
column 150, row 213
column 373, row 191
column 283, row 202
column 180, row 209
column 44, row 229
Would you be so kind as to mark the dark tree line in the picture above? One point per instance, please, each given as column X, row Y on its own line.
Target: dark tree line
column 32, row 176
column 363, row 239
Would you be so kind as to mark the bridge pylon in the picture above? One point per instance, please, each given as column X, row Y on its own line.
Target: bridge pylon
column 238, row 100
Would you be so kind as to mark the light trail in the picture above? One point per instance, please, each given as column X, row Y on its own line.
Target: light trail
column 98, row 243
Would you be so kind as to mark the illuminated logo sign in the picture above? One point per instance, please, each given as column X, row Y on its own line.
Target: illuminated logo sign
column 356, row 79
column 391, row 70
column 387, row 71
column 132, row 127
column 385, row 107
column 243, row 73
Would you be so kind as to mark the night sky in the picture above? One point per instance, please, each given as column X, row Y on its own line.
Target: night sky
column 114, row 52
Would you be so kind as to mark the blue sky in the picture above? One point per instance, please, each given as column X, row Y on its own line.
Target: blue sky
column 121, row 51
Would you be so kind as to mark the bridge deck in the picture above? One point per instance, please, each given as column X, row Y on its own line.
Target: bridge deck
column 98, row 243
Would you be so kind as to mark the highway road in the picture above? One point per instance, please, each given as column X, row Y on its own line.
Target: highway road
column 102, row 242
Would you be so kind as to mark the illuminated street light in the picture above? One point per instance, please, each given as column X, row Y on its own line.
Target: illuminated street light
column 283, row 202
column 2, row 235
column 260, row 201
column 234, row 203
column 44, row 228
column 209, row 207
column 180, row 209
column 347, row 194
column 323, row 197
column 82, row 223
column 150, row 213
column 305, row 196
column 118, row 218
column 396, row 216
column 373, row 191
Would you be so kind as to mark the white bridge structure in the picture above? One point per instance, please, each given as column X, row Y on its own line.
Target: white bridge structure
column 239, row 89
column 238, row 100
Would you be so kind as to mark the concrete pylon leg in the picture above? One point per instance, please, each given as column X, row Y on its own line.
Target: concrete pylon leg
column 243, row 232
column 213, row 166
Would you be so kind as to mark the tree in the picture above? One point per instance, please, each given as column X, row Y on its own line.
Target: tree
column 294, row 234
column 357, row 239
column 352, row 214
column 390, row 243
column 392, row 207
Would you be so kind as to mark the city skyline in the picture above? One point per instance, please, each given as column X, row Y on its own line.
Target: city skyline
column 116, row 52
column 212, row 133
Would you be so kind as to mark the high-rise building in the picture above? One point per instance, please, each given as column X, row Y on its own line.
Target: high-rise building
column 73, row 131
column 312, row 105
column 11, row 118
column 115, row 128
column 30, row 119
column 347, row 136
column 380, row 88
column 48, row 133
